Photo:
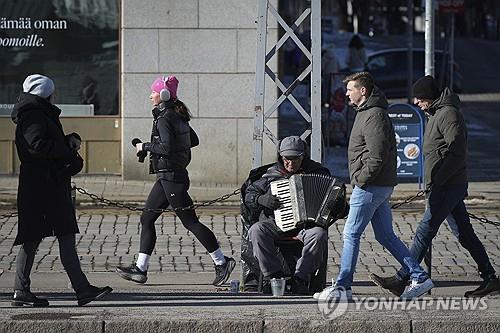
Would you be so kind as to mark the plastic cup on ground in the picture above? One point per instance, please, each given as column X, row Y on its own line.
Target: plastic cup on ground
column 278, row 287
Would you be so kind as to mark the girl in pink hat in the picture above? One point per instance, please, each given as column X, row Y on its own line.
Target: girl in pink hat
column 169, row 154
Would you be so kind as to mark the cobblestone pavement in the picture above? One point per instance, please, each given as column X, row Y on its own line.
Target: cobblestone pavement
column 110, row 238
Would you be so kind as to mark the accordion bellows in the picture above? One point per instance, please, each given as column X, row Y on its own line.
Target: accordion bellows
column 308, row 199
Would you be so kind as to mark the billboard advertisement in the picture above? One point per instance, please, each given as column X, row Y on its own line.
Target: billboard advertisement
column 73, row 42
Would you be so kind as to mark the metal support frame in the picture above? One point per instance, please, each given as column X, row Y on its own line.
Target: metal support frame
column 429, row 70
column 410, row 50
column 263, row 56
column 429, row 37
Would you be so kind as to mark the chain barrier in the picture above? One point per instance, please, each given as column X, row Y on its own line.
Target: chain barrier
column 422, row 193
column 108, row 202
column 8, row 216
column 408, row 200
column 483, row 220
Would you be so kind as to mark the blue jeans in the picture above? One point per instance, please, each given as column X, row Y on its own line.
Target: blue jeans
column 372, row 204
column 447, row 202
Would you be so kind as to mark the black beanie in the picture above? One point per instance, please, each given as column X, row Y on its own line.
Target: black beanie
column 425, row 88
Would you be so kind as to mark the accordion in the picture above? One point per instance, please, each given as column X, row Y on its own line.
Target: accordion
column 308, row 199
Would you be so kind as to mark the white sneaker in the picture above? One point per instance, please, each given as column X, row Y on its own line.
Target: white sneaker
column 416, row 289
column 316, row 295
column 335, row 293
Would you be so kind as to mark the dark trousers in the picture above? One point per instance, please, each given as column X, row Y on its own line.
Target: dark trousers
column 69, row 259
column 263, row 236
column 447, row 202
column 164, row 194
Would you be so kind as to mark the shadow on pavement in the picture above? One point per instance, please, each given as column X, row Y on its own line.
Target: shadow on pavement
column 183, row 298
column 436, row 282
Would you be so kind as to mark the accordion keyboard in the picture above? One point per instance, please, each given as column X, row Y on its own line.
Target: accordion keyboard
column 284, row 214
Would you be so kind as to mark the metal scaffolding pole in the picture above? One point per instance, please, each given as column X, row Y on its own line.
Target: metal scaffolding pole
column 316, row 80
column 258, row 122
column 410, row 50
column 429, row 70
column 263, row 112
column 429, row 37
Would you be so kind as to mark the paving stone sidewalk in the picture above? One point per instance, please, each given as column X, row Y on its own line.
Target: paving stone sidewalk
column 108, row 239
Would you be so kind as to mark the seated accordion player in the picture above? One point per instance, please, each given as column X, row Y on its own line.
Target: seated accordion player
column 309, row 199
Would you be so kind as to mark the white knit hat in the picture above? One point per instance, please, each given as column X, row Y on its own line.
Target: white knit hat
column 39, row 85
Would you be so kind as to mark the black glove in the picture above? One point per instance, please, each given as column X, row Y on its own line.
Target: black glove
column 142, row 155
column 75, row 166
column 70, row 168
column 269, row 201
column 74, row 141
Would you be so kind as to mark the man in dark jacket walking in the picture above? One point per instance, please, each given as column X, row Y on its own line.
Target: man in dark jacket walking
column 264, row 233
column 372, row 167
column 445, row 154
column 48, row 160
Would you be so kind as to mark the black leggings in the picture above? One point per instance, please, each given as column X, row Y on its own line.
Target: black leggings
column 167, row 193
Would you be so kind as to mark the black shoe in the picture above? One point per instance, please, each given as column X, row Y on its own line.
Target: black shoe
column 266, row 287
column 222, row 272
column 299, row 286
column 132, row 273
column 487, row 287
column 391, row 283
column 27, row 298
column 92, row 293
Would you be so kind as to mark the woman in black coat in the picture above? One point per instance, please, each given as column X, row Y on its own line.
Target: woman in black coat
column 48, row 160
column 170, row 153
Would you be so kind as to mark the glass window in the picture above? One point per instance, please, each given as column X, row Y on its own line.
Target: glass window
column 73, row 42
column 392, row 61
column 377, row 63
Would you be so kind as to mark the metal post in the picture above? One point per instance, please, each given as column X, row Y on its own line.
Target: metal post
column 260, row 83
column 410, row 50
column 316, row 80
column 429, row 70
column 452, row 48
column 429, row 37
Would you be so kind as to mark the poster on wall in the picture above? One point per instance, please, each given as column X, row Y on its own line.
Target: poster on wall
column 73, row 42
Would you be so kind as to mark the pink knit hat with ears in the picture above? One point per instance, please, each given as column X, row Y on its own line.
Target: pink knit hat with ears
column 166, row 82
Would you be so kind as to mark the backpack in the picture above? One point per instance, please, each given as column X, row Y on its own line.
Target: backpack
column 249, row 264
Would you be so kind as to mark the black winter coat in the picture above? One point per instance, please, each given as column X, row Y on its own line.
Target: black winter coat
column 171, row 141
column 445, row 142
column 47, row 163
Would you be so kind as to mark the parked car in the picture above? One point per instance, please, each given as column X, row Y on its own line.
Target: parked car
column 390, row 70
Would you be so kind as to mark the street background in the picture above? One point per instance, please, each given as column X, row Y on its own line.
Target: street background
column 178, row 295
